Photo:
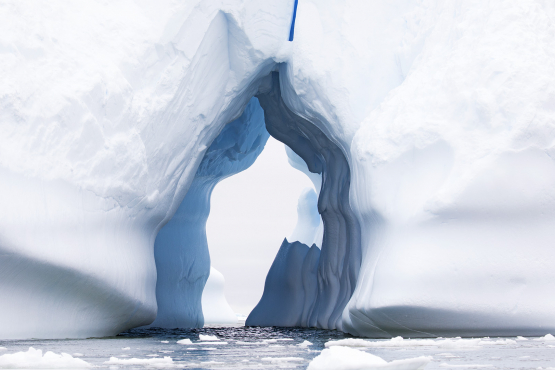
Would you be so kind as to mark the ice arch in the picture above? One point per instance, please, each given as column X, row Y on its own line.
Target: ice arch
column 328, row 278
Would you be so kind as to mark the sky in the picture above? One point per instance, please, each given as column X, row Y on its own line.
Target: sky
column 250, row 215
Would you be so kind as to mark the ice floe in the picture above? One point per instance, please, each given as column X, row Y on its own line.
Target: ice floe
column 345, row 358
column 34, row 359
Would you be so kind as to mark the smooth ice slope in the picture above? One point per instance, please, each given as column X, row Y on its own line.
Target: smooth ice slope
column 181, row 249
column 215, row 308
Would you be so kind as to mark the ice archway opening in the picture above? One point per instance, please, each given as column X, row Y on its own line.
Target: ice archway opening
column 305, row 286
column 250, row 215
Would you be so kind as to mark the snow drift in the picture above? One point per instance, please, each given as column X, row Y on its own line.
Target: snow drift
column 432, row 124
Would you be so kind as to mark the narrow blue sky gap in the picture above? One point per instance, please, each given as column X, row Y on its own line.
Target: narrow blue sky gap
column 292, row 31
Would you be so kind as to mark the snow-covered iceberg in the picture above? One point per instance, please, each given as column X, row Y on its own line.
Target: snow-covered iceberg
column 431, row 124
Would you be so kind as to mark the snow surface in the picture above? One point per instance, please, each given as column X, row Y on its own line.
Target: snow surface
column 34, row 359
column 344, row 358
column 432, row 124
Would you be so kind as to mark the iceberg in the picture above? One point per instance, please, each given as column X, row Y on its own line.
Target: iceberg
column 426, row 127
column 215, row 309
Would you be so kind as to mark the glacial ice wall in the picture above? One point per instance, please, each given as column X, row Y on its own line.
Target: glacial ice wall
column 181, row 249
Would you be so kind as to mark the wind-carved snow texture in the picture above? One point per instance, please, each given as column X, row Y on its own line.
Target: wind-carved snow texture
column 339, row 261
column 181, row 249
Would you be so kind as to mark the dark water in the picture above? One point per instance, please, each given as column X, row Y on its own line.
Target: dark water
column 279, row 348
column 245, row 348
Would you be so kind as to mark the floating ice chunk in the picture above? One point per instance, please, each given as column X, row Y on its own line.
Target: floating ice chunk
column 209, row 343
column 466, row 366
column 499, row 342
column 285, row 339
column 401, row 342
column 184, row 341
column 126, row 348
column 164, row 341
column 152, row 355
column 275, row 360
column 77, row 354
column 345, row 358
column 276, row 346
column 521, row 338
column 212, row 363
column 243, row 343
column 305, row 344
column 150, row 362
column 207, row 338
column 33, row 359
column 270, row 340
column 547, row 337
column 3, row 349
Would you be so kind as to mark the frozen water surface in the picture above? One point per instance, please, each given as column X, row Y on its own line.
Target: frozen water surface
column 255, row 348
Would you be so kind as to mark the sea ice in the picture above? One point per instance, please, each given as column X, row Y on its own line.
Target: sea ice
column 277, row 360
column 184, row 341
column 34, row 359
column 159, row 363
column 401, row 342
column 545, row 338
column 204, row 337
column 344, row 358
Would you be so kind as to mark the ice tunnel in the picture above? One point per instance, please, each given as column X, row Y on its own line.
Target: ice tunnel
column 328, row 277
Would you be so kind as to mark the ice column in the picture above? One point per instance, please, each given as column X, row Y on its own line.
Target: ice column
column 339, row 260
column 181, row 249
